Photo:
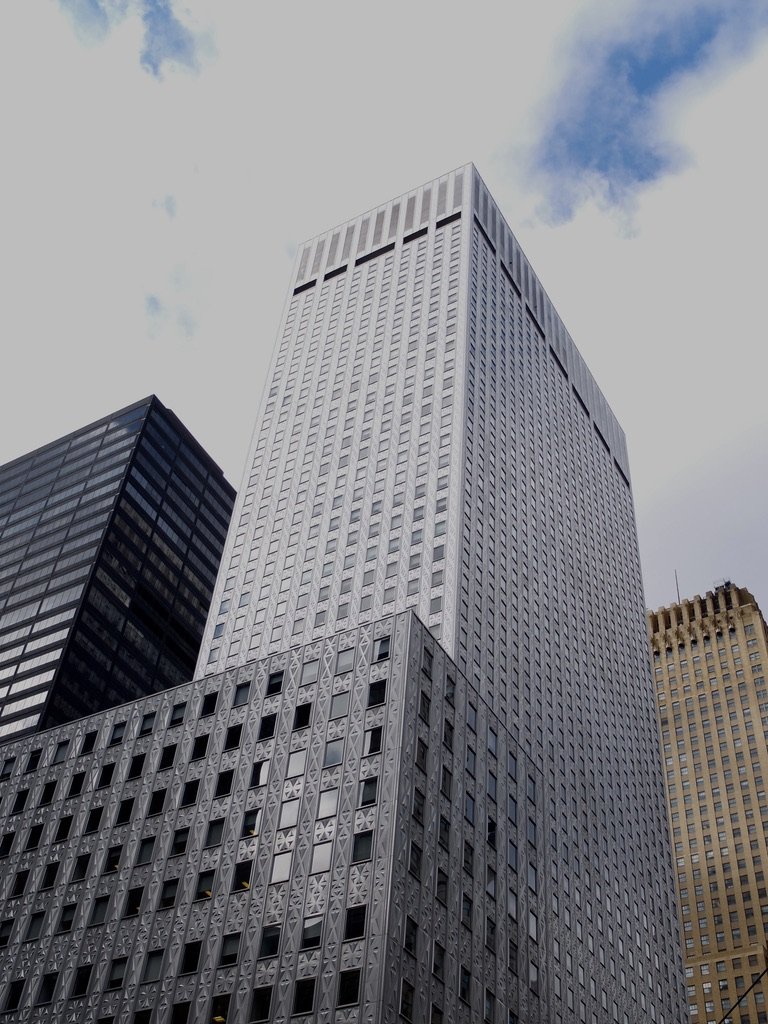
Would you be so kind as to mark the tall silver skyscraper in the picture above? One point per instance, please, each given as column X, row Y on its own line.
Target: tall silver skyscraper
column 430, row 438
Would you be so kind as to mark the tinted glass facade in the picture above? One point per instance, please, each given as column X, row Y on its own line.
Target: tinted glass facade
column 109, row 546
column 208, row 854
column 430, row 438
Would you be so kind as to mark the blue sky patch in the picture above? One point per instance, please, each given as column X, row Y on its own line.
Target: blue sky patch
column 165, row 38
column 602, row 136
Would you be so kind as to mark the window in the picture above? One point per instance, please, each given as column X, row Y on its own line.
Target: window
column 7, row 770
column 89, row 742
column 465, row 983
column 190, row 957
column 117, row 973
column 209, row 704
column 377, row 693
column 136, row 768
column 311, row 932
column 177, row 714
column 76, row 784
column 297, row 763
column 20, row 802
column 49, row 875
column 189, row 793
column 345, row 661
column 124, row 811
column 349, row 988
column 321, row 857
column 270, row 940
column 334, row 753
column 259, row 774
column 444, row 832
column 156, row 802
column 180, row 839
column 281, row 867
column 372, row 744
column 274, row 683
column 60, row 754
column 35, row 926
column 93, row 820
column 180, row 1013
column 47, row 988
column 47, row 794
column 267, row 727
column 147, row 723
column 6, row 843
column 488, row 1005
column 328, row 803
column 167, row 757
column 118, row 731
column 289, row 814
column 67, row 917
column 232, row 739
column 446, row 782
column 80, row 869
column 362, row 846
column 33, row 839
column 381, row 648
column 168, row 893
column 112, row 860
column 204, row 889
column 441, row 886
column 368, row 791
column 438, row 960
column 469, row 854
column 466, row 910
column 146, row 847
column 6, row 927
column 241, row 879
column 340, row 704
column 414, row 860
column 153, row 965
column 224, row 783
column 406, row 999
column 33, row 761
column 469, row 808
column 19, row 883
column 13, row 994
column 410, row 939
column 241, row 695
column 304, row 995
column 82, row 980
column 133, row 901
column 302, row 716
column 262, row 1000
column 250, row 823
column 230, row 949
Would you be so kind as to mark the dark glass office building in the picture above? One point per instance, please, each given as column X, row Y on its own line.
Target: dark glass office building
column 110, row 540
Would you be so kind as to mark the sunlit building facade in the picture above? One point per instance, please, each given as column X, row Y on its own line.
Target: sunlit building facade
column 429, row 438
column 709, row 656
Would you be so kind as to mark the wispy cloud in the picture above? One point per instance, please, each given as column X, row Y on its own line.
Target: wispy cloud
column 168, row 204
column 167, row 41
column 602, row 133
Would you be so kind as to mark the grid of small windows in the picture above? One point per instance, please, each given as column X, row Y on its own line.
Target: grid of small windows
column 712, row 706
column 347, row 511
column 550, row 618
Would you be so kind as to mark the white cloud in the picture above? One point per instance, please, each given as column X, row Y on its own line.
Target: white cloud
column 306, row 115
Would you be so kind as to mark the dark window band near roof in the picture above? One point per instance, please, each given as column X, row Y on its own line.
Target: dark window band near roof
column 375, row 254
column 511, row 280
column 485, row 234
column 304, row 287
column 559, row 363
column 449, row 219
column 419, row 233
column 334, row 273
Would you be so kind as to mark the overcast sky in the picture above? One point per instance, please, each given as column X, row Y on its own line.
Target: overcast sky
column 161, row 161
